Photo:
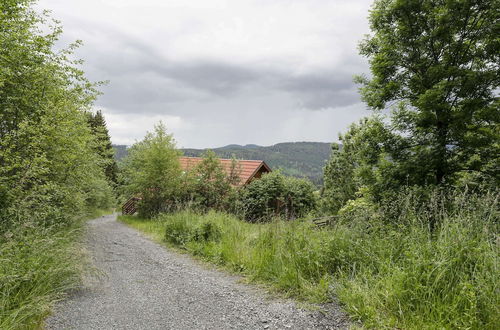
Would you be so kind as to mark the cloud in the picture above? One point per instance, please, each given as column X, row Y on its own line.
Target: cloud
column 221, row 71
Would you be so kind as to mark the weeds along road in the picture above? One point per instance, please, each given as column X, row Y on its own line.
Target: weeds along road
column 146, row 286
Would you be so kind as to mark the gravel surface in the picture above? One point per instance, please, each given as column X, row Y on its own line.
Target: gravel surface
column 146, row 286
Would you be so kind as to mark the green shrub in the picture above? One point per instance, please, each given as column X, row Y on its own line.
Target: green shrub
column 37, row 265
column 207, row 231
column 277, row 195
column 410, row 275
column 178, row 230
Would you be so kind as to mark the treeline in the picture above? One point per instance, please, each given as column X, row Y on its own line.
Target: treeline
column 56, row 163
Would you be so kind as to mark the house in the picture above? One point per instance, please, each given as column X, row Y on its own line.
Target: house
column 247, row 170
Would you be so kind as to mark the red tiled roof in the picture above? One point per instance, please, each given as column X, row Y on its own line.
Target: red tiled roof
column 248, row 168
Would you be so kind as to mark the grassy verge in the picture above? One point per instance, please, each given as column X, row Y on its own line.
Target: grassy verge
column 394, row 276
column 37, row 265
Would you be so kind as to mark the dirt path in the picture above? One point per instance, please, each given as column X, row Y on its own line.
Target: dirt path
column 146, row 286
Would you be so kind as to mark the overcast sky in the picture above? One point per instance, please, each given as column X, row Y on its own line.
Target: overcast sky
column 222, row 71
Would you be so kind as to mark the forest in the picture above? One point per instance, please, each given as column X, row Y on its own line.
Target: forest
column 412, row 194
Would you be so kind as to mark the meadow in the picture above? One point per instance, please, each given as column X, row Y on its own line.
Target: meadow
column 385, row 274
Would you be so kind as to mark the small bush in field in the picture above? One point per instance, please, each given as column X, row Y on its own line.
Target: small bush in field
column 207, row 232
column 178, row 231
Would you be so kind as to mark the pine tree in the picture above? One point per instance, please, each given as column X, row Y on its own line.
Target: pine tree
column 103, row 146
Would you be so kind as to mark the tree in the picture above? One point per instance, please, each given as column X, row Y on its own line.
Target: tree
column 103, row 145
column 234, row 174
column 152, row 171
column 49, row 171
column 437, row 63
column 362, row 164
column 211, row 183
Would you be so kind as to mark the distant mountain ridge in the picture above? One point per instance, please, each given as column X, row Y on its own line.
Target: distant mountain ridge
column 299, row 159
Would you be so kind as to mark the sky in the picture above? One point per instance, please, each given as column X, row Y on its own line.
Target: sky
column 220, row 72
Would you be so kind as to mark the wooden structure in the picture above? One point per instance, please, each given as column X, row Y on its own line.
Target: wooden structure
column 247, row 171
column 324, row 221
column 130, row 206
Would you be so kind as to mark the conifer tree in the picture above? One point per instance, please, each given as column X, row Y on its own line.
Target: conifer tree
column 103, row 146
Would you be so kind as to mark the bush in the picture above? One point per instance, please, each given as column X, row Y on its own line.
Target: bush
column 207, row 232
column 178, row 230
column 277, row 195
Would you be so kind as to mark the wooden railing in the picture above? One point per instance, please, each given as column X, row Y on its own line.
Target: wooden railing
column 324, row 221
column 130, row 206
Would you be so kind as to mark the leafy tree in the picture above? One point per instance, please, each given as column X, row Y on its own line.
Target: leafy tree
column 103, row 146
column 233, row 176
column 277, row 195
column 363, row 164
column 436, row 62
column 212, row 183
column 49, row 171
column 152, row 171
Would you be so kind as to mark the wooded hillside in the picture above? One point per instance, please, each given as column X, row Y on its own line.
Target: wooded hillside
column 298, row 159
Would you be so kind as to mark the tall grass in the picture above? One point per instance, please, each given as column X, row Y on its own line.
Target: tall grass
column 37, row 266
column 387, row 274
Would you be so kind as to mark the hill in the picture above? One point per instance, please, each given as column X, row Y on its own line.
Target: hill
column 299, row 159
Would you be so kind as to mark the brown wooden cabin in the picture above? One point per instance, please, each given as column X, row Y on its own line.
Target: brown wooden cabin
column 248, row 170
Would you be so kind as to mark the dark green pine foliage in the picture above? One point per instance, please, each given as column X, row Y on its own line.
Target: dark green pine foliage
column 103, row 145
column 436, row 63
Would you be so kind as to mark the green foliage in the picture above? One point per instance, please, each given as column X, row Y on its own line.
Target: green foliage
column 437, row 62
column 207, row 232
column 418, row 278
column 103, row 145
column 211, row 184
column 365, row 166
column 277, row 195
column 389, row 273
column 38, row 264
column 152, row 171
column 50, row 173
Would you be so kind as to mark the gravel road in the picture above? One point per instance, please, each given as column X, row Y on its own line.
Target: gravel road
column 146, row 286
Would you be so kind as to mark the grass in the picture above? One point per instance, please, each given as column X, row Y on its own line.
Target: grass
column 37, row 266
column 386, row 275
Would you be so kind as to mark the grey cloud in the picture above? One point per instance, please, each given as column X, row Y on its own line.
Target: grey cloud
column 324, row 90
column 141, row 78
